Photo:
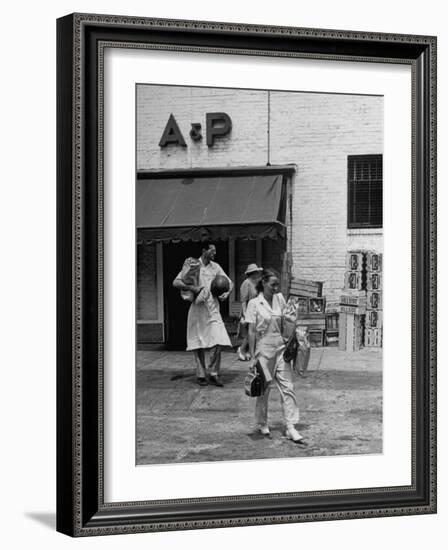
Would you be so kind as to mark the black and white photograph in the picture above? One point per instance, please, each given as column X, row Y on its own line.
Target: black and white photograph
column 259, row 242
column 228, row 244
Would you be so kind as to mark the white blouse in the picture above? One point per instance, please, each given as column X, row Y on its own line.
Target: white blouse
column 260, row 313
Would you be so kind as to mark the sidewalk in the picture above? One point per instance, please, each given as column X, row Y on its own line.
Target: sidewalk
column 340, row 402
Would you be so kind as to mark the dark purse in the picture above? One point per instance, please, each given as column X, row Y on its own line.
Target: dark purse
column 255, row 383
column 291, row 349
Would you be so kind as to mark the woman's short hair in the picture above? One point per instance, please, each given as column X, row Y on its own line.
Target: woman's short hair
column 266, row 274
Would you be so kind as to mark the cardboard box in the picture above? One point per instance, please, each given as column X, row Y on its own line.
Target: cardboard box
column 374, row 299
column 354, row 260
column 353, row 280
column 374, row 318
column 350, row 332
column 374, row 281
column 354, row 310
column 373, row 337
column 374, row 261
column 357, row 298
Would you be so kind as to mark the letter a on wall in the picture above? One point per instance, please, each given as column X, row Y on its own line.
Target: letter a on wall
column 172, row 134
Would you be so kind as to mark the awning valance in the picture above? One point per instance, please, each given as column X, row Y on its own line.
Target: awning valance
column 200, row 208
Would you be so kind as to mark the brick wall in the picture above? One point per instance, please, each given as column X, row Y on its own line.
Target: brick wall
column 314, row 131
column 273, row 253
column 318, row 132
column 246, row 144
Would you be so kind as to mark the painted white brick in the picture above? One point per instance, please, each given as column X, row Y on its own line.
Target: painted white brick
column 317, row 132
column 245, row 145
column 314, row 131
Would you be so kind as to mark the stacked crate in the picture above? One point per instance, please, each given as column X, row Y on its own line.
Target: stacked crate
column 353, row 302
column 332, row 309
column 305, row 288
column 310, row 309
column 352, row 319
column 312, row 315
column 374, row 314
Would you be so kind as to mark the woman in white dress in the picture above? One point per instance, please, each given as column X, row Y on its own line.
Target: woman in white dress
column 264, row 315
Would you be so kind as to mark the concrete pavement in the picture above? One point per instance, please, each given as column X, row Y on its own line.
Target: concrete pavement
column 340, row 402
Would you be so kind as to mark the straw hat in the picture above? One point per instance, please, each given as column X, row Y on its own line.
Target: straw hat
column 252, row 268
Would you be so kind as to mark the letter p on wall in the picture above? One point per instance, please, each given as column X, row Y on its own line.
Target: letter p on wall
column 218, row 124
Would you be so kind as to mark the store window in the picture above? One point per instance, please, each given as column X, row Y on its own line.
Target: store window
column 150, row 293
column 365, row 191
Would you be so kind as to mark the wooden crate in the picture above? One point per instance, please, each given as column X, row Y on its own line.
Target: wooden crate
column 303, row 287
column 354, row 260
column 374, row 299
column 374, row 261
column 312, row 322
column 353, row 280
column 332, row 321
column 374, row 318
column 357, row 298
column 332, row 306
column 332, row 338
column 374, row 281
column 316, row 338
column 373, row 337
column 305, row 306
column 316, row 306
column 350, row 332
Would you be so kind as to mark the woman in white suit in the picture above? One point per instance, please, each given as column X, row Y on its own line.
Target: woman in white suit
column 264, row 316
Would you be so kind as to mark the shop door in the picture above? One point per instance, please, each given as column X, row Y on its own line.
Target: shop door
column 176, row 309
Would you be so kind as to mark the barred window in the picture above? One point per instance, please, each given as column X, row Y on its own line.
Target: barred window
column 365, row 191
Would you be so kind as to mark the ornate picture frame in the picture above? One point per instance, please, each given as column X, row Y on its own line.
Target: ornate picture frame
column 81, row 506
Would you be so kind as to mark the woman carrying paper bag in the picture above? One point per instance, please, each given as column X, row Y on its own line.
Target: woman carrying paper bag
column 264, row 316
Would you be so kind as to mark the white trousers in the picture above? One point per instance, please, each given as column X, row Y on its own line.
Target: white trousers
column 283, row 379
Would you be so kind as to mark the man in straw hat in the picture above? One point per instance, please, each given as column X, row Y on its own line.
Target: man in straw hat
column 247, row 292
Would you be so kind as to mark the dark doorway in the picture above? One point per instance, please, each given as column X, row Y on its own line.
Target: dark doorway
column 176, row 309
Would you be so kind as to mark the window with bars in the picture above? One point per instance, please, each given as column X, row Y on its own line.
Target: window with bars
column 365, row 191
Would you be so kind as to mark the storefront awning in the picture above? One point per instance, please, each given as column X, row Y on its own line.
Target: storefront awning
column 200, row 208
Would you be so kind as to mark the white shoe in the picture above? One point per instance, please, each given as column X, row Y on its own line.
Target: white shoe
column 264, row 429
column 241, row 355
column 293, row 434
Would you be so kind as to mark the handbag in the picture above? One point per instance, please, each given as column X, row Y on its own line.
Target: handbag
column 291, row 349
column 254, row 382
